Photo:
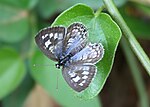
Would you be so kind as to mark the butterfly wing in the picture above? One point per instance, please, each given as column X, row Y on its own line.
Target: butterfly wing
column 50, row 41
column 75, row 39
column 92, row 53
column 80, row 69
column 79, row 76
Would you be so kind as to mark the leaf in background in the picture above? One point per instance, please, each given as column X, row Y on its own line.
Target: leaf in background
column 47, row 8
column 101, row 28
column 12, row 71
column 14, row 24
column 119, row 3
column 142, row 5
column 144, row 8
column 18, row 97
column 139, row 26
column 22, row 4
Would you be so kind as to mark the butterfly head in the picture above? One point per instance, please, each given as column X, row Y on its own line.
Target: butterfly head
column 62, row 61
column 57, row 65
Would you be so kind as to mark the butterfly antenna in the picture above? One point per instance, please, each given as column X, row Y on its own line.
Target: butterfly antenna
column 89, row 28
column 40, row 65
column 57, row 81
column 99, row 41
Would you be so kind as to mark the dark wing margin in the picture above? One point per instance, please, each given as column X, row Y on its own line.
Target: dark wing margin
column 50, row 41
column 80, row 76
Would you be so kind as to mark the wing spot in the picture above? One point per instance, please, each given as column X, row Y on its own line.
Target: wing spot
column 84, row 57
column 47, row 43
column 55, row 36
column 72, row 74
column 85, row 72
column 86, row 68
column 74, row 30
column 70, row 40
column 94, row 55
column 78, row 33
column 50, row 35
column 81, row 84
column 44, row 36
column 85, row 77
column 60, row 36
column 76, row 79
column 83, row 81
column 51, row 47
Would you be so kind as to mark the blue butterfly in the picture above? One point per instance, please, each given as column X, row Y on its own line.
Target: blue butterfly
column 69, row 47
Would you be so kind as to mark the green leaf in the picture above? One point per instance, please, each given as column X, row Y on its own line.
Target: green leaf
column 12, row 71
column 14, row 24
column 101, row 28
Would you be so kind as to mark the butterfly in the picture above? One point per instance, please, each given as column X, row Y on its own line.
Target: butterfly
column 70, row 49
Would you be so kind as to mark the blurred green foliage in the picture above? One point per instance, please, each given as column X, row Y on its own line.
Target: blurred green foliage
column 139, row 25
column 20, row 20
column 12, row 70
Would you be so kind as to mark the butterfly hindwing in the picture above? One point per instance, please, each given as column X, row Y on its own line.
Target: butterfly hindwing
column 75, row 39
column 79, row 76
column 50, row 41
column 92, row 53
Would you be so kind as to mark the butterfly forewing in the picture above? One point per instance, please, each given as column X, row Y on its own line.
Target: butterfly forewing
column 50, row 41
column 92, row 53
column 79, row 76
column 75, row 39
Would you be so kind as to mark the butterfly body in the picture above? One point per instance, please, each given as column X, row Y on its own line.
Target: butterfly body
column 69, row 47
column 62, row 62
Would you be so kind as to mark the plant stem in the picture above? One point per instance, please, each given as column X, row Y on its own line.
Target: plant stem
column 135, row 46
column 99, row 11
column 131, row 60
